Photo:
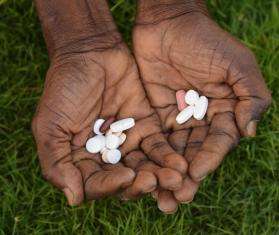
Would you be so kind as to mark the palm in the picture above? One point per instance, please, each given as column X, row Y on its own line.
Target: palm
column 192, row 52
column 79, row 89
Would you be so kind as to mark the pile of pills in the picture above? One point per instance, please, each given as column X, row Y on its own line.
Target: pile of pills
column 190, row 104
column 109, row 136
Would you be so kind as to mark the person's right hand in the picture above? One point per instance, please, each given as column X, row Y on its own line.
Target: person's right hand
column 79, row 89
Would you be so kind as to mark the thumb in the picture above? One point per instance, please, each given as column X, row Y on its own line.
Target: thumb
column 56, row 161
column 250, row 88
column 67, row 178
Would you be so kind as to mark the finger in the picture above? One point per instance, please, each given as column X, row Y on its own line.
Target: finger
column 166, row 202
column 101, row 182
column 220, row 106
column 178, row 140
column 67, row 177
column 254, row 97
column 105, row 183
column 222, row 137
column 189, row 187
column 56, row 159
column 224, row 90
column 167, row 178
column 195, row 142
column 187, row 191
column 145, row 182
column 133, row 159
column 158, row 150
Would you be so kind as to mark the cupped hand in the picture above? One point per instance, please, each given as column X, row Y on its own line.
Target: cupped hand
column 80, row 88
column 190, row 51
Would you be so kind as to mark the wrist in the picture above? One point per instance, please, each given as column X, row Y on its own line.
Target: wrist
column 76, row 26
column 155, row 11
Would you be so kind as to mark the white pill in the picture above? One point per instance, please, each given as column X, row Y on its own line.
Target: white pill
column 122, row 125
column 191, row 97
column 113, row 156
column 103, row 150
column 104, row 156
column 97, row 126
column 200, row 108
column 122, row 138
column 95, row 144
column 112, row 141
column 185, row 115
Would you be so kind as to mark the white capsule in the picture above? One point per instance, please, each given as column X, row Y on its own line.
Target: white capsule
column 122, row 138
column 97, row 126
column 95, row 144
column 122, row 125
column 112, row 141
column 191, row 97
column 112, row 156
column 185, row 115
column 200, row 108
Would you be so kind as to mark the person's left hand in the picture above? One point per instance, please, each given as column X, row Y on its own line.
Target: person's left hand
column 190, row 51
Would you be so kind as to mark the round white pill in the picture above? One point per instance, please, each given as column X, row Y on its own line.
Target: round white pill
column 185, row 115
column 191, row 97
column 122, row 125
column 200, row 108
column 104, row 156
column 103, row 150
column 97, row 126
column 113, row 156
column 122, row 138
column 112, row 141
column 95, row 144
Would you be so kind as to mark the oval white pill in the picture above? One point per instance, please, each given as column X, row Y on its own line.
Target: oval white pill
column 113, row 156
column 112, row 141
column 122, row 138
column 191, row 97
column 95, row 144
column 185, row 115
column 200, row 108
column 97, row 126
column 122, row 125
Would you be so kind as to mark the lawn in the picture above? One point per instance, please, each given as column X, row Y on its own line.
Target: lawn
column 241, row 197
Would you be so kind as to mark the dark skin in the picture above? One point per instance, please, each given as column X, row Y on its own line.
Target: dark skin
column 177, row 46
column 92, row 75
column 89, row 61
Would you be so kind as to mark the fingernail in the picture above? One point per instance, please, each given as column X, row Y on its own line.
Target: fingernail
column 187, row 202
column 252, row 128
column 69, row 195
column 198, row 179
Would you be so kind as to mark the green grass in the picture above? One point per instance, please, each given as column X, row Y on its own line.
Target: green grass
column 241, row 197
